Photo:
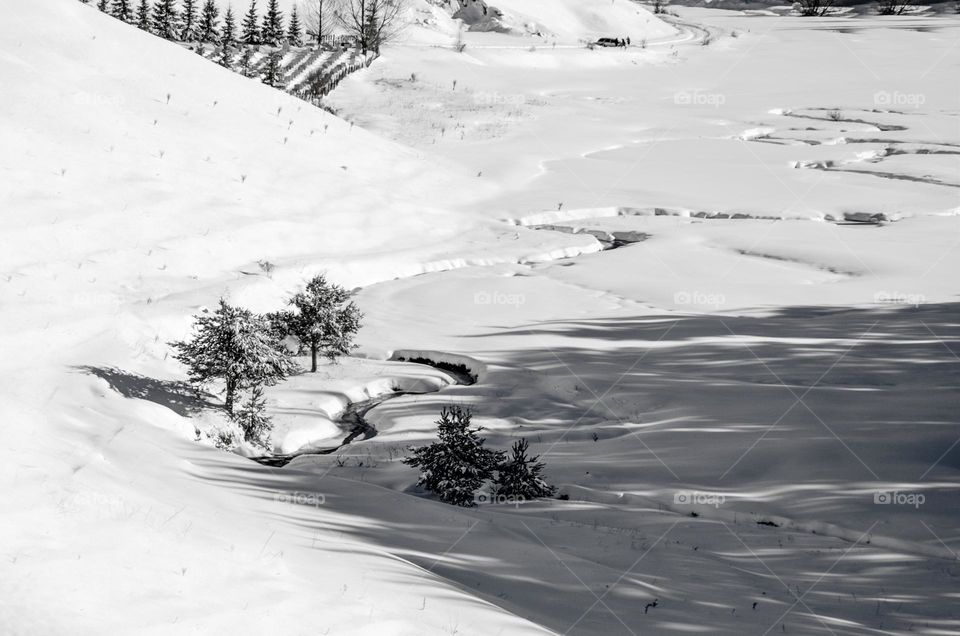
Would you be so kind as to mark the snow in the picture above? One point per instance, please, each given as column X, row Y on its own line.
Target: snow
column 585, row 20
column 729, row 405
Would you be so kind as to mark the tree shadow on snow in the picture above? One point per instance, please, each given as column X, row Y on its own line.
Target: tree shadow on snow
column 180, row 397
column 867, row 372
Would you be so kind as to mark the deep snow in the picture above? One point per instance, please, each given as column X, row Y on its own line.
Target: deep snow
column 726, row 403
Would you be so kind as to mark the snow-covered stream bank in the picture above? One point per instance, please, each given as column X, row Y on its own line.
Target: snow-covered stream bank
column 352, row 419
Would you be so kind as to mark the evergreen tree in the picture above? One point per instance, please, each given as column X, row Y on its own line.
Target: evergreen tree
column 189, row 24
column 208, row 30
column 519, row 478
column 271, row 77
column 103, row 5
column 236, row 346
column 251, row 32
column 245, row 63
column 143, row 15
column 252, row 418
column 165, row 19
column 293, row 32
column 122, row 10
column 324, row 319
column 272, row 31
column 226, row 57
column 456, row 465
column 229, row 35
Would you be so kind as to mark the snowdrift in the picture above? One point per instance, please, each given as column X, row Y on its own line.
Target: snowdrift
column 583, row 19
column 139, row 183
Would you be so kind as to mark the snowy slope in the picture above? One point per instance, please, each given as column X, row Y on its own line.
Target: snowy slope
column 526, row 21
column 573, row 20
column 140, row 182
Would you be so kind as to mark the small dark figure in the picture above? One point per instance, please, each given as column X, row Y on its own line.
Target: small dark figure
column 628, row 41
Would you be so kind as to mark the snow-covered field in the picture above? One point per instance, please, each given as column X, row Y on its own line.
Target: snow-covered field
column 750, row 405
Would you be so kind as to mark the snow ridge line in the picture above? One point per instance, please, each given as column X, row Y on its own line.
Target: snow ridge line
column 554, row 217
column 442, row 359
column 444, row 265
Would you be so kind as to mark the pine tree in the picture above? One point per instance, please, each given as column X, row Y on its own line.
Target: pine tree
column 251, row 32
column 271, row 77
column 519, row 478
column 293, row 32
column 272, row 31
column 226, row 57
column 103, row 5
column 456, row 465
column 245, row 63
column 165, row 19
column 143, row 15
column 252, row 418
column 229, row 35
column 236, row 346
column 189, row 24
column 209, row 31
column 324, row 319
column 122, row 10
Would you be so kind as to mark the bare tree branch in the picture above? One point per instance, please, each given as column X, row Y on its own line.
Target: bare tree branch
column 372, row 22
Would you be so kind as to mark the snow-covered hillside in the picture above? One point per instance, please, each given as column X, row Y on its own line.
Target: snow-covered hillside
column 141, row 182
column 523, row 22
column 742, row 404
column 572, row 21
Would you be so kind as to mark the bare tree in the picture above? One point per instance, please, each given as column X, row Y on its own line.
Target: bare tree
column 318, row 17
column 893, row 7
column 372, row 22
column 814, row 8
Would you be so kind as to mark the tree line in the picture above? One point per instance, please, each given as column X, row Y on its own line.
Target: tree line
column 369, row 23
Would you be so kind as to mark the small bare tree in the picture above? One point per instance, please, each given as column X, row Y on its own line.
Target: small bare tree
column 893, row 7
column 814, row 8
column 660, row 6
column 318, row 17
column 372, row 22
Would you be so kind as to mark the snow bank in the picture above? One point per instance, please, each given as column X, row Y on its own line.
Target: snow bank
column 573, row 20
column 142, row 182
column 474, row 367
column 433, row 22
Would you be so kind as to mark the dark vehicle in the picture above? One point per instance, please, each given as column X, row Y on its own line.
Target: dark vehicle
column 608, row 42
